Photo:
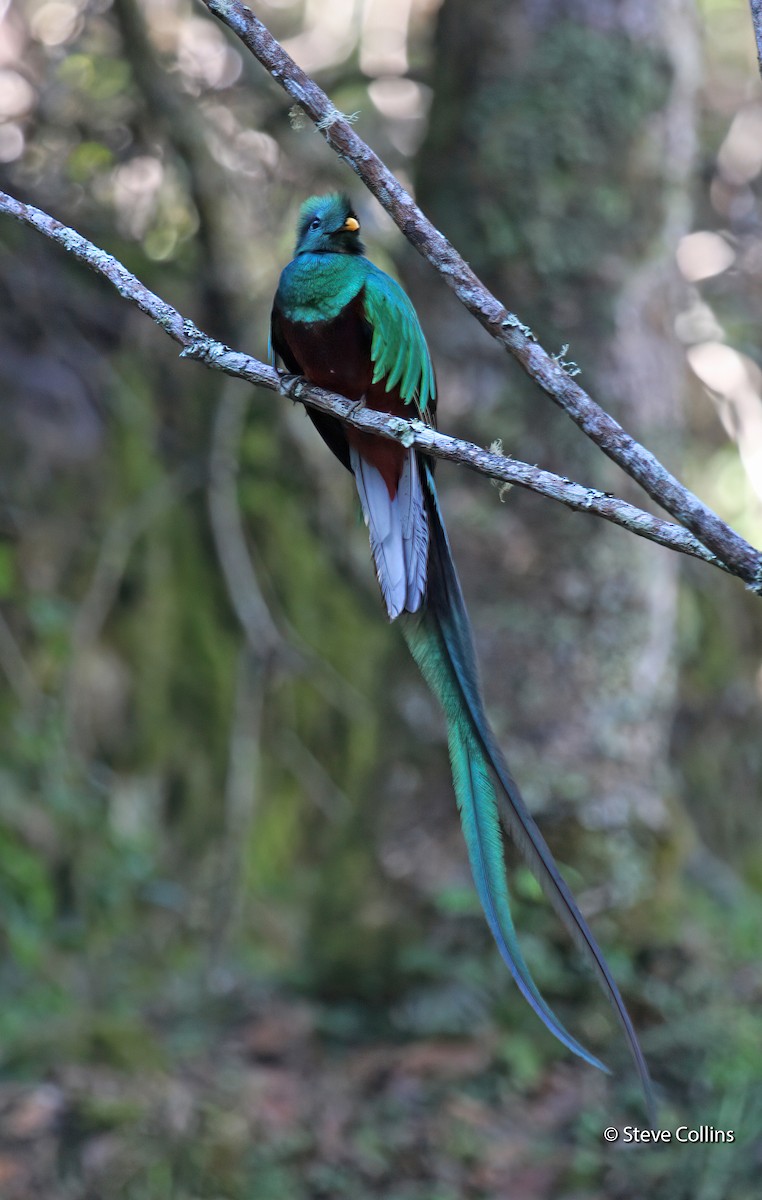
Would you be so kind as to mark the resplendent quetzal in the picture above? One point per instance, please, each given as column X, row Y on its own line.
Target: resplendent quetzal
column 346, row 326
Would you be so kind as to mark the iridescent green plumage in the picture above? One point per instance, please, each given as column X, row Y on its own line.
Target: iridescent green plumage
column 349, row 327
column 398, row 348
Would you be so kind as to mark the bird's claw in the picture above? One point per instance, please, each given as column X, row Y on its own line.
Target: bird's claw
column 289, row 384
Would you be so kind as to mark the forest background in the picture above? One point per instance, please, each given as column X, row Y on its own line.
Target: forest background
column 241, row 954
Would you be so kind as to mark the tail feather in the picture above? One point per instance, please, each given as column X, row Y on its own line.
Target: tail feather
column 415, row 531
column 440, row 640
column 399, row 533
column 481, row 827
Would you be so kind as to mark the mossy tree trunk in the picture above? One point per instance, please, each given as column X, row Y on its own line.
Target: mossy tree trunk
column 560, row 149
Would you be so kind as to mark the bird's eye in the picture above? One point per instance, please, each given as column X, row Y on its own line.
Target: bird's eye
column 315, row 223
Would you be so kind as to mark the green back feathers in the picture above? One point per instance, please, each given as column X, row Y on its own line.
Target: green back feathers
column 398, row 348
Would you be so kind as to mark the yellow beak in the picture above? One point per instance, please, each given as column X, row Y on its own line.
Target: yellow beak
column 351, row 224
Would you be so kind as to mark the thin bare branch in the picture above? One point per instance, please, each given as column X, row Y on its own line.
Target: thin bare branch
column 110, row 566
column 245, row 593
column 242, row 788
column 276, row 643
column 219, row 357
column 15, row 667
column 113, row 557
column 743, row 559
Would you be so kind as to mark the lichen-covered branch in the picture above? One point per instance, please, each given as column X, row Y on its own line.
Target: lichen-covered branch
column 744, row 560
column 219, row 357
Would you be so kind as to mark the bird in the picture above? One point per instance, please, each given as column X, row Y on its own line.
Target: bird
column 343, row 324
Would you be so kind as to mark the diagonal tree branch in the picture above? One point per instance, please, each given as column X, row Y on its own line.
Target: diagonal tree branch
column 744, row 560
column 219, row 357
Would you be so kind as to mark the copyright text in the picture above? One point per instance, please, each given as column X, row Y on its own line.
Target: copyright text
column 630, row 1134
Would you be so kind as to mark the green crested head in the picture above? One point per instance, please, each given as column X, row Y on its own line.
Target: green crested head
column 328, row 225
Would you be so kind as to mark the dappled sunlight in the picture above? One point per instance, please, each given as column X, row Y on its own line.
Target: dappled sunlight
column 740, row 155
column 329, row 35
column 11, row 142
column 405, row 105
column 703, row 254
column 697, row 322
column 720, row 367
column 383, row 44
column 204, row 55
column 136, row 188
column 379, row 29
column 734, row 382
column 403, row 99
column 720, row 323
column 11, row 37
column 17, row 96
column 57, row 22
column 237, row 147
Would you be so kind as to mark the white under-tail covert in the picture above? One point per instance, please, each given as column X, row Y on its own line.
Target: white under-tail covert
column 399, row 532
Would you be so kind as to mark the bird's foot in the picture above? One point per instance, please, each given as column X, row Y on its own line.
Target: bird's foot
column 356, row 406
column 289, row 384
